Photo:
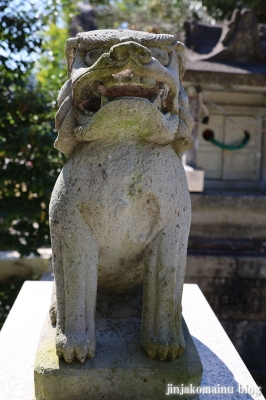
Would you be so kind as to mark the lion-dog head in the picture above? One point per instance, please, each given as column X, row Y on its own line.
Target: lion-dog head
column 130, row 71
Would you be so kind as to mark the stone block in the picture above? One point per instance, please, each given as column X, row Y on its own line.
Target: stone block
column 11, row 264
column 20, row 335
column 121, row 369
column 229, row 216
column 195, row 180
column 235, row 286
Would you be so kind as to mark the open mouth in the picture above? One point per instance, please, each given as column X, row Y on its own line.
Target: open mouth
column 96, row 94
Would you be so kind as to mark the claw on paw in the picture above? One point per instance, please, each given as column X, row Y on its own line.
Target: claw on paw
column 74, row 347
column 165, row 350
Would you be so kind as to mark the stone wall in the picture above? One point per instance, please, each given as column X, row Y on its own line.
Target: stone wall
column 227, row 259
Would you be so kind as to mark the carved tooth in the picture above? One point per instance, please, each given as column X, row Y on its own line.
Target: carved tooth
column 156, row 100
column 83, row 118
column 102, row 90
column 94, row 88
column 87, row 112
column 127, row 73
column 135, row 80
column 165, row 92
column 104, row 100
column 127, row 76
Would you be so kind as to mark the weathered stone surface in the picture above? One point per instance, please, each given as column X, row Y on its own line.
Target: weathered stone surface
column 234, row 298
column 231, row 292
column 235, row 286
column 120, row 370
column 233, row 266
column 228, row 76
column 120, row 209
column 228, row 216
column 227, row 259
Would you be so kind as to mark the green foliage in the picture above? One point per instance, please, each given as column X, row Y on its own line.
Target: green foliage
column 162, row 16
column 221, row 9
column 18, row 36
column 52, row 67
column 29, row 164
column 29, row 167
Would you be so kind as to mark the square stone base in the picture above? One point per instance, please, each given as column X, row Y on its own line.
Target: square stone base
column 121, row 370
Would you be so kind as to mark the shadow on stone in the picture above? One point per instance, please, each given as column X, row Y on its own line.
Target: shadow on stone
column 217, row 375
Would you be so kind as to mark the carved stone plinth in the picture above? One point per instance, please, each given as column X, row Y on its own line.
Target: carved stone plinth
column 121, row 368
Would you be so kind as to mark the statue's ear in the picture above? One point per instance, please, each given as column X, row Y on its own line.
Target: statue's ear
column 181, row 56
column 71, row 45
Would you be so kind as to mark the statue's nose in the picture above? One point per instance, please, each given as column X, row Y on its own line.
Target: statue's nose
column 130, row 50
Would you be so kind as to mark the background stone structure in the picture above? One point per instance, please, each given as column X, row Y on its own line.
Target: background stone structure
column 229, row 75
column 226, row 72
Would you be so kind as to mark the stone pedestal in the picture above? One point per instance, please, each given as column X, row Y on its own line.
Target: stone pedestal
column 20, row 335
column 120, row 369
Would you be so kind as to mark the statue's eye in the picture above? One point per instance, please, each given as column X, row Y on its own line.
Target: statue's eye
column 161, row 55
column 92, row 56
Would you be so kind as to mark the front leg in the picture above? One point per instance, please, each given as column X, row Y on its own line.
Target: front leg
column 75, row 256
column 161, row 329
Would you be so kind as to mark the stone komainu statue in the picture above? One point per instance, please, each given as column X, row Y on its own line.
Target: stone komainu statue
column 120, row 209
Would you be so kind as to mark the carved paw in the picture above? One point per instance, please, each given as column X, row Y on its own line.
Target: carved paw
column 163, row 346
column 74, row 345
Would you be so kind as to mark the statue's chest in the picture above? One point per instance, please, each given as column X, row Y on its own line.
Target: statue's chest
column 108, row 176
column 124, row 195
